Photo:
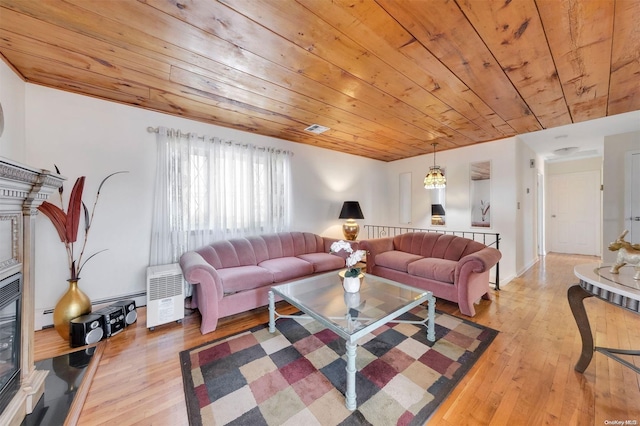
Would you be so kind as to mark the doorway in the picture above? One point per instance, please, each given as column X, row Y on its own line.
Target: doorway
column 575, row 213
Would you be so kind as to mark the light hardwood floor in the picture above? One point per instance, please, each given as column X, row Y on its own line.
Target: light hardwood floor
column 525, row 377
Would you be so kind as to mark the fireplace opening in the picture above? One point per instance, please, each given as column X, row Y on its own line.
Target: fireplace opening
column 10, row 295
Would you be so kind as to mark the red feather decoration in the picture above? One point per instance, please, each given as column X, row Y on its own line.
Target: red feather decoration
column 58, row 218
column 74, row 210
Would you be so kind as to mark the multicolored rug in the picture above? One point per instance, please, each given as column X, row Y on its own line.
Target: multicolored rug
column 297, row 376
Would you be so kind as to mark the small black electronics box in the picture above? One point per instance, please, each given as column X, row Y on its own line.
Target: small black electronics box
column 86, row 330
column 130, row 314
column 114, row 321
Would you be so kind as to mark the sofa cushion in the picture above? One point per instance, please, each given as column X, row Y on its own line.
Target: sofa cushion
column 286, row 268
column 396, row 259
column 434, row 269
column 323, row 261
column 244, row 278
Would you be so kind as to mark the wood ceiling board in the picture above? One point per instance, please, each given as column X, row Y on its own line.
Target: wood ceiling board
column 512, row 31
column 336, row 120
column 33, row 66
column 348, row 20
column 387, row 76
column 579, row 35
column 253, row 117
column 254, row 62
column 252, row 39
column 32, row 53
column 338, row 49
column 624, row 88
column 45, row 32
column 444, row 83
column 443, row 29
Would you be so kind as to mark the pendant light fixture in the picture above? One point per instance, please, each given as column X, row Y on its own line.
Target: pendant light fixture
column 435, row 178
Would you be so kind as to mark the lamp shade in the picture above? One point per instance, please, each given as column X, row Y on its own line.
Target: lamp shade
column 437, row 210
column 435, row 178
column 351, row 210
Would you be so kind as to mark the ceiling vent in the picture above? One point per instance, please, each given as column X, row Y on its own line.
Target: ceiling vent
column 317, row 129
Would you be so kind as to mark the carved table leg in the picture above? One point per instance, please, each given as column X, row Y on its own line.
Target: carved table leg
column 576, row 296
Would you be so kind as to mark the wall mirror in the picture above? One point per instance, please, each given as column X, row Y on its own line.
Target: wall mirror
column 480, row 181
column 438, row 206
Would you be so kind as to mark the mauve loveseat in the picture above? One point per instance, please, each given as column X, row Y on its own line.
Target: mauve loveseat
column 235, row 275
column 453, row 268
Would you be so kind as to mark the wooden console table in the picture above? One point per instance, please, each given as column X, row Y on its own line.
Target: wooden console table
column 618, row 289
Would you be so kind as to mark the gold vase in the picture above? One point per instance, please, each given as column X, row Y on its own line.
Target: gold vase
column 72, row 304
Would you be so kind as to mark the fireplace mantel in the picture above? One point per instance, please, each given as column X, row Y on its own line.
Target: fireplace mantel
column 22, row 190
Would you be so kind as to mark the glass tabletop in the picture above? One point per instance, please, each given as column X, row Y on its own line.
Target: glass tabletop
column 351, row 314
column 600, row 274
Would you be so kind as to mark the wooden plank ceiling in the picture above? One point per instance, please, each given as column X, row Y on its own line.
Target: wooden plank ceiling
column 387, row 77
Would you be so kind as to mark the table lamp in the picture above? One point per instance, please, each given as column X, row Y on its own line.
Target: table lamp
column 351, row 211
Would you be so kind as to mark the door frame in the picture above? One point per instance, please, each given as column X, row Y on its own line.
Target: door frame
column 598, row 223
column 628, row 186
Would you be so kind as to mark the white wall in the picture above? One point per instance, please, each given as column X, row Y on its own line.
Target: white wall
column 502, row 155
column 526, row 207
column 615, row 148
column 91, row 137
column 12, row 99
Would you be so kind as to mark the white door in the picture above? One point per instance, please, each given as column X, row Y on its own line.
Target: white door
column 632, row 219
column 574, row 213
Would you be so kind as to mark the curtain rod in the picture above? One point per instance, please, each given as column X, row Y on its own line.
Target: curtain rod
column 202, row 138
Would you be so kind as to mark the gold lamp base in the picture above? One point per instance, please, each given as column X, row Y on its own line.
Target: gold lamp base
column 350, row 229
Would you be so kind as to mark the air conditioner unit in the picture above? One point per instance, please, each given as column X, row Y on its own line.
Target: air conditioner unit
column 165, row 294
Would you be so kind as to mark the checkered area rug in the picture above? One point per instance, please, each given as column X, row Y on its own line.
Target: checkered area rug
column 297, row 376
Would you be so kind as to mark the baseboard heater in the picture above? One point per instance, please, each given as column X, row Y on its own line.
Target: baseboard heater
column 140, row 298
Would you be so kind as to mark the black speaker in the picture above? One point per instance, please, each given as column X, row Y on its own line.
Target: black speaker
column 86, row 330
column 113, row 319
column 130, row 314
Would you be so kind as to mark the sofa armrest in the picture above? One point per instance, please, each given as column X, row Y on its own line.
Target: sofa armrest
column 374, row 247
column 477, row 262
column 198, row 271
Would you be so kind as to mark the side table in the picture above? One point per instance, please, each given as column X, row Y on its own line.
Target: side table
column 618, row 289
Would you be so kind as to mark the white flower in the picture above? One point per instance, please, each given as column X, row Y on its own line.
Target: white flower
column 354, row 258
column 341, row 245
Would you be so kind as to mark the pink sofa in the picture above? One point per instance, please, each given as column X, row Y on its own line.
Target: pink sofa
column 235, row 275
column 452, row 267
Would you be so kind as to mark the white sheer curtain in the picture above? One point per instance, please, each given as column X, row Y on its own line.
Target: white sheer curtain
column 209, row 189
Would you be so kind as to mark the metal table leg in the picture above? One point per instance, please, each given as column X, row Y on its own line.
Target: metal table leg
column 576, row 296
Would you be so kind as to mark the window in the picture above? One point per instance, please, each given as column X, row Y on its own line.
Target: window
column 209, row 189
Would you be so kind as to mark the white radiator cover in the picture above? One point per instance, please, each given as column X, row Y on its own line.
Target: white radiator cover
column 165, row 294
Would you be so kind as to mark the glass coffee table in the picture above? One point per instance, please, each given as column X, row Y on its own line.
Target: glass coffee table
column 352, row 315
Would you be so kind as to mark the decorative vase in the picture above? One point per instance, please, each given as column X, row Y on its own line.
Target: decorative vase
column 72, row 304
column 351, row 284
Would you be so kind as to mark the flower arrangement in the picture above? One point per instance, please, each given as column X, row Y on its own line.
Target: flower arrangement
column 351, row 260
column 68, row 223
